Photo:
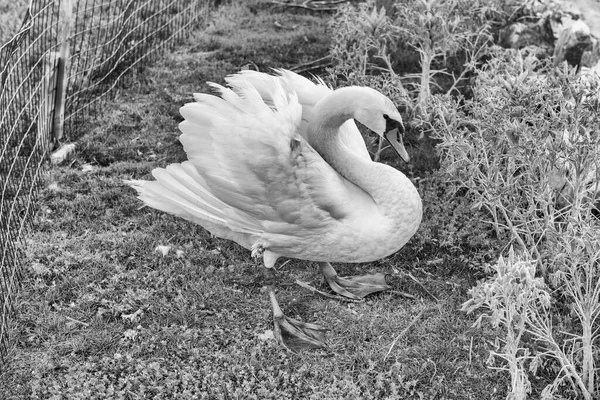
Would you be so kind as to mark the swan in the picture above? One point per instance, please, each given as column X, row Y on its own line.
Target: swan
column 277, row 165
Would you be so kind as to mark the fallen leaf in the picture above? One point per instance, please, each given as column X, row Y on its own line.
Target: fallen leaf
column 87, row 168
column 131, row 317
column 54, row 187
column 268, row 335
column 39, row 269
column 163, row 249
column 130, row 334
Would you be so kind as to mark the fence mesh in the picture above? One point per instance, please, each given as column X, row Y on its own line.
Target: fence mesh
column 59, row 68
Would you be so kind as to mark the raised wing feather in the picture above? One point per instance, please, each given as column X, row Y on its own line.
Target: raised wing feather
column 309, row 94
column 258, row 163
column 250, row 175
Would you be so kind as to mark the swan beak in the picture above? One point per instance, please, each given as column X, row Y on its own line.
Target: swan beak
column 394, row 138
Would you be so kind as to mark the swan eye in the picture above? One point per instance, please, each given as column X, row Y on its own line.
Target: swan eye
column 386, row 117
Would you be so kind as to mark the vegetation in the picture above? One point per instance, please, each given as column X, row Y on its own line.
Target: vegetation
column 528, row 150
column 11, row 16
column 127, row 302
column 521, row 142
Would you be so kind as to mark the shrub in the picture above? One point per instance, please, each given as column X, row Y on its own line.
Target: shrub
column 527, row 147
column 364, row 38
column 540, row 323
column 368, row 44
column 511, row 299
column 439, row 30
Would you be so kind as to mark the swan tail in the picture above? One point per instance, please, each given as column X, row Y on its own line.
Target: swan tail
column 180, row 190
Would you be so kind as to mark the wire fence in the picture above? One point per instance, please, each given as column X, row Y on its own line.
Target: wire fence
column 54, row 73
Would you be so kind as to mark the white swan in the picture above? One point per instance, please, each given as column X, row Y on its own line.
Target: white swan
column 277, row 165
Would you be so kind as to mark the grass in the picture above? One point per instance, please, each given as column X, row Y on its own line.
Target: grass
column 104, row 315
column 12, row 13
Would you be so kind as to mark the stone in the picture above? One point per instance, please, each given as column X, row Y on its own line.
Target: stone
column 591, row 58
column 572, row 42
column 519, row 35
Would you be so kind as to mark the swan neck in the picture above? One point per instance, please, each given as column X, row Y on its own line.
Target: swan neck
column 324, row 135
column 331, row 112
column 390, row 191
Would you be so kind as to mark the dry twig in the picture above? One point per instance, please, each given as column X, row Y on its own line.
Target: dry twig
column 319, row 63
column 313, row 5
column 414, row 321
column 330, row 296
column 422, row 287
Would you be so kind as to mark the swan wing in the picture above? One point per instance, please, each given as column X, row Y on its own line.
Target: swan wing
column 250, row 175
column 309, row 94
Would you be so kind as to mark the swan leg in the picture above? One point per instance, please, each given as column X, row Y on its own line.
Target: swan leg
column 353, row 287
column 294, row 334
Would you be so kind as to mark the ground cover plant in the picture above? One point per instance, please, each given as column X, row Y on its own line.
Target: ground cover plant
column 126, row 302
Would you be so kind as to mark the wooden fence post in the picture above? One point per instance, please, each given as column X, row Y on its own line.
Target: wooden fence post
column 46, row 111
column 65, row 24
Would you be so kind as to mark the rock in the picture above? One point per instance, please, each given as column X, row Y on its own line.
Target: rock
column 591, row 58
column 509, row 36
column 62, row 154
column 541, row 53
column 587, row 10
column 519, row 35
column 572, row 43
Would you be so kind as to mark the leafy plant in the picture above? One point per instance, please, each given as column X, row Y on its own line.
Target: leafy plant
column 523, row 305
column 438, row 29
column 527, row 148
column 364, row 38
column 524, row 145
column 368, row 44
column 512, row 299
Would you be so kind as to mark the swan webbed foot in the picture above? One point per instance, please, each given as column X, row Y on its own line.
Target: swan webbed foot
column 353, row 287
column 293, row 334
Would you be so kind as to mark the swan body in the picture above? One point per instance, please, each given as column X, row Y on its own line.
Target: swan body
column 277, row 164
column 254, row 179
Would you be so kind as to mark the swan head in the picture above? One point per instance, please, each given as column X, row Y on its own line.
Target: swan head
column 380, row 115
